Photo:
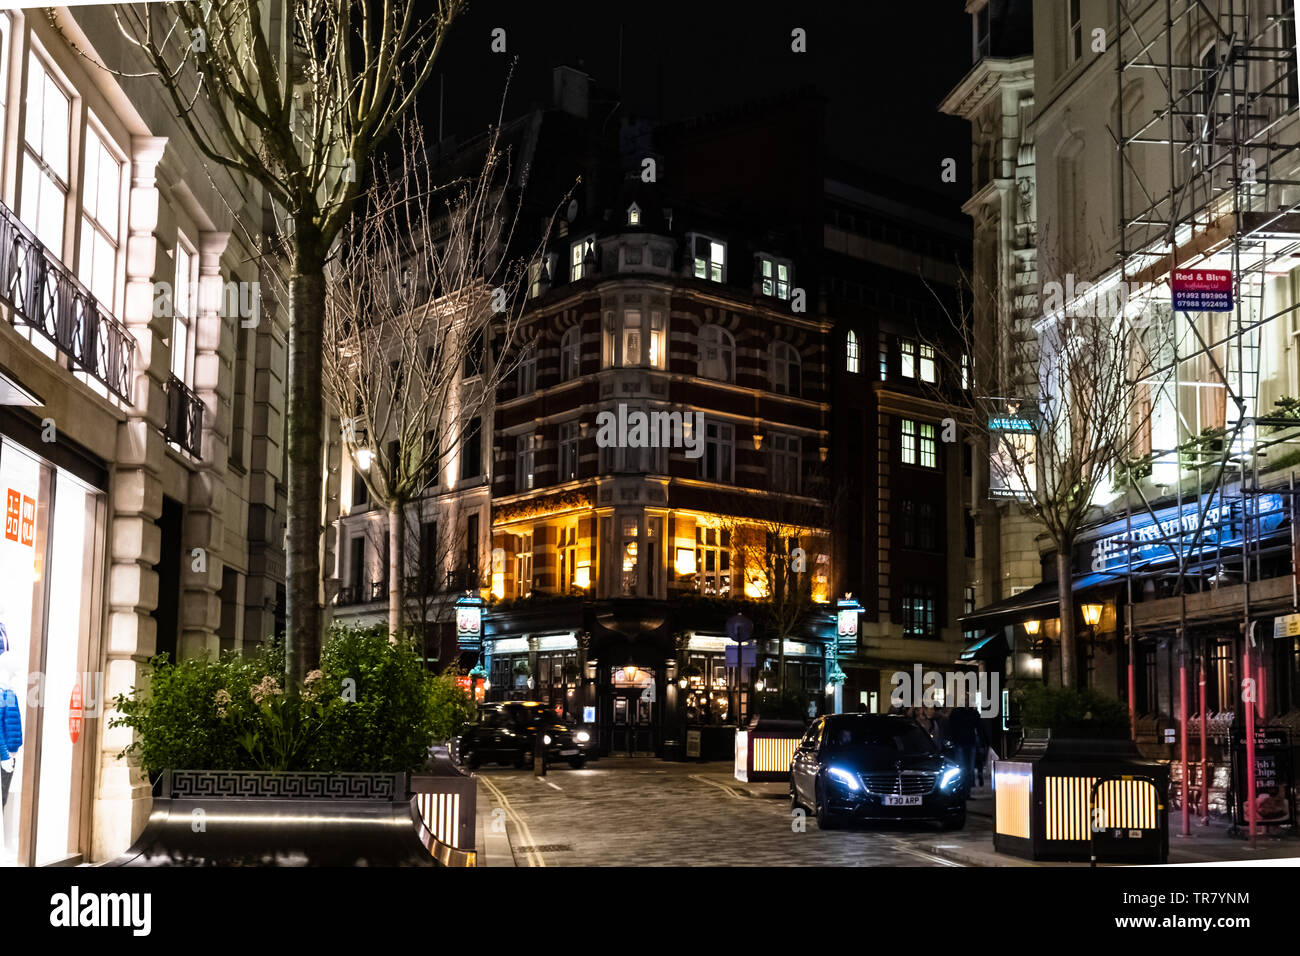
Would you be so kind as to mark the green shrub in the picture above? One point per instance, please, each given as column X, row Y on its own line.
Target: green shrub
column 1072, row 713
column 790, row 704
column 370, row 707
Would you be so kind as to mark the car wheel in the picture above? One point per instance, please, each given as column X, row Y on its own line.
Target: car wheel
column 955, row 821
column 577, row 763
column 825, row 819
column 794, row 799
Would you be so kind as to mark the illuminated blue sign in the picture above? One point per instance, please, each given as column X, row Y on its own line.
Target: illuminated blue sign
column 1150, row 541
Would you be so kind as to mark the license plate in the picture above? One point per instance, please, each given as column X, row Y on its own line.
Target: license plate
column 568, row 753
column 913, row 800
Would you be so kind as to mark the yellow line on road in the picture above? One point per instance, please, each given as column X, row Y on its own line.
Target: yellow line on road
column 721, row 786
column 534, row 858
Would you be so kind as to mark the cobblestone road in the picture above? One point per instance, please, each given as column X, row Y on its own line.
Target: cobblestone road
column 621, row 812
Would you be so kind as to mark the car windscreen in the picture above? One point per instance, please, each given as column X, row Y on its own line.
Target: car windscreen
column 896, row 736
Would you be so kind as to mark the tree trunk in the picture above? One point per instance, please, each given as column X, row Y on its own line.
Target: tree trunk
column 305, row 450
column 396, row 567
column 1065, row 586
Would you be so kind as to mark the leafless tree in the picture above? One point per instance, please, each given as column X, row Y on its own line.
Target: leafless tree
column 1084, row 370
column 298, row 103
column 424, row 296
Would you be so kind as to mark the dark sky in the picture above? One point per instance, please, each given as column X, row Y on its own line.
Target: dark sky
column 883, row 66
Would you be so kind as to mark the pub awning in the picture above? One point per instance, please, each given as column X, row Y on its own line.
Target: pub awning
column 991, row 647
column 1038, row 603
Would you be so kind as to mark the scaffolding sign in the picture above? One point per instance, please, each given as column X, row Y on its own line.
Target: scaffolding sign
column 1202, row 290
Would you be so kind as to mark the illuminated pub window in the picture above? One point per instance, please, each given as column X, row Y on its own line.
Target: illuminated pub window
column 713, row 560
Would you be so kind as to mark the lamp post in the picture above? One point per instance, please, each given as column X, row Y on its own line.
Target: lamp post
column 1091, row 618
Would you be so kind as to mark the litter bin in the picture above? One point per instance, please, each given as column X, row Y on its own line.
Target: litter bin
column 764, row 749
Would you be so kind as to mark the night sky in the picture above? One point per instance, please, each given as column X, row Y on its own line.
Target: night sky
column 883, row 67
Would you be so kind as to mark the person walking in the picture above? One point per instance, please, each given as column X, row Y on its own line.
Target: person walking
column 968, row 739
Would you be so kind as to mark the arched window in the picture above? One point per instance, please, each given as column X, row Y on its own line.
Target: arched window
column 786, row 377
column 851, row 352
column 717, row 353
column 570, row 353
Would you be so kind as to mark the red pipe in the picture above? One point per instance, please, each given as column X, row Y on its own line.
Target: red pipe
column 1182, row 737
column 1205, row 783
column 1261, row 687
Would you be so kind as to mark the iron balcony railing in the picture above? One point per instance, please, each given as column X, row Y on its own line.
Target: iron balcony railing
column 184, row 417
column 366, row 592
column 42, row 293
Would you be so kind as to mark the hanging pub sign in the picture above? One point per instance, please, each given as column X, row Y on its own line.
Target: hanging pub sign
column 846, row 629
column 469, row 623
column 1201, row 290
column 1274, row 778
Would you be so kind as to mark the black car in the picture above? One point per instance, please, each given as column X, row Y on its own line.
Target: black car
column 506, row 733
column 875, row 767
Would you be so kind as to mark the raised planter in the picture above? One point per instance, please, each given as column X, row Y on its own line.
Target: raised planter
column 254, row 818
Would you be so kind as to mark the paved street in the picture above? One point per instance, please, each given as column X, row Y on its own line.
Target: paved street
column 621, row 812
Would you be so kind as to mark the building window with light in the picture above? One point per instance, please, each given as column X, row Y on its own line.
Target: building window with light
column 183, row 312
column 523, row 565
column 569, row 432
column 774, row 277
column 717, row 354
column 710, row 258
column 907, row 358
column 919, row 610
column 965, row 372
column 786, row 368
column 851, row 352
column 525, row 460
column 47, row 135
column 928, row 369
column 634, row 215
column 628, row 555
column 916, row 443
column 713, row 561
column 567, row 549
column 582, row 259
column 539, row 275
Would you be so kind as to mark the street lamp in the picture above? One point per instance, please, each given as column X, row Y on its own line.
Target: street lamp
column 365, row 458
column 1032, row 627
column 1091, row 614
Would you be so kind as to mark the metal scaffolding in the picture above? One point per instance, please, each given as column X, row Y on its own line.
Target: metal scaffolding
column 1204, row 182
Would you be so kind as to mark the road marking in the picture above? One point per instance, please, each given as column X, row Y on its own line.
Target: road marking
column 534, row 859
column 721, row 786
column 554, row 786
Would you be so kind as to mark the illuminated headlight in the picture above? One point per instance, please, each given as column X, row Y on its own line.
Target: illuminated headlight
column 582, row 737
column 949, row 778
column 546, row 738
column 843, row 777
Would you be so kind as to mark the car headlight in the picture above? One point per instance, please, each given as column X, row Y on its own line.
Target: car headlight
column 582, row 736
column 949, row 778
column 842, row 776
column 546, row 738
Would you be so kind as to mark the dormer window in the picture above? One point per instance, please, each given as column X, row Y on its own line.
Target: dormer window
column 710, row 258
column 582, row 258
column 539, row 276
column 634, row 215
column 774, row 276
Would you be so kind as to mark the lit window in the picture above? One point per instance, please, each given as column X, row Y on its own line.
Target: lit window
column 525, row 456
column 710, row 259
column 46, row 135
column 916, row 444
column 629, row 560
column 927, row 364
column 907, row 358
column 717, row 353
column 183, row 313
column 785, row 369
column 713, row 561
column 523, row 565
column 851, row 352
column 965, row 372
column 567, row 547
column 775, row 277
column 99, row 234
column 539, row 275
column 632, row 337
column 918, row 610
column 582, row 259
column 570, row 353
column 884, row 360
column 634, row 215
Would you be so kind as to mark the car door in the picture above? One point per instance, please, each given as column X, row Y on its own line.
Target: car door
column 803, row 768
column 489, row 735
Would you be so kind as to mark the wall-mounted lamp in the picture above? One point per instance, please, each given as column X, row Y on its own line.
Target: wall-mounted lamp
column 1091, row 614
column 685, row 561
column 758, row 441
column 365, row 458
column 1032, row 627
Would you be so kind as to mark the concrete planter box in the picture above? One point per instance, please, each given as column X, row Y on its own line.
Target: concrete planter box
column 257, row 818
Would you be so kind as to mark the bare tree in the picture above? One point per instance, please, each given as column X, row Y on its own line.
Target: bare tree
column 423, row 296
column 1084, row 372
column 298, row 103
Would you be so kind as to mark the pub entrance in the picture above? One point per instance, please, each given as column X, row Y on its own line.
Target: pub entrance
column 632, row 704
